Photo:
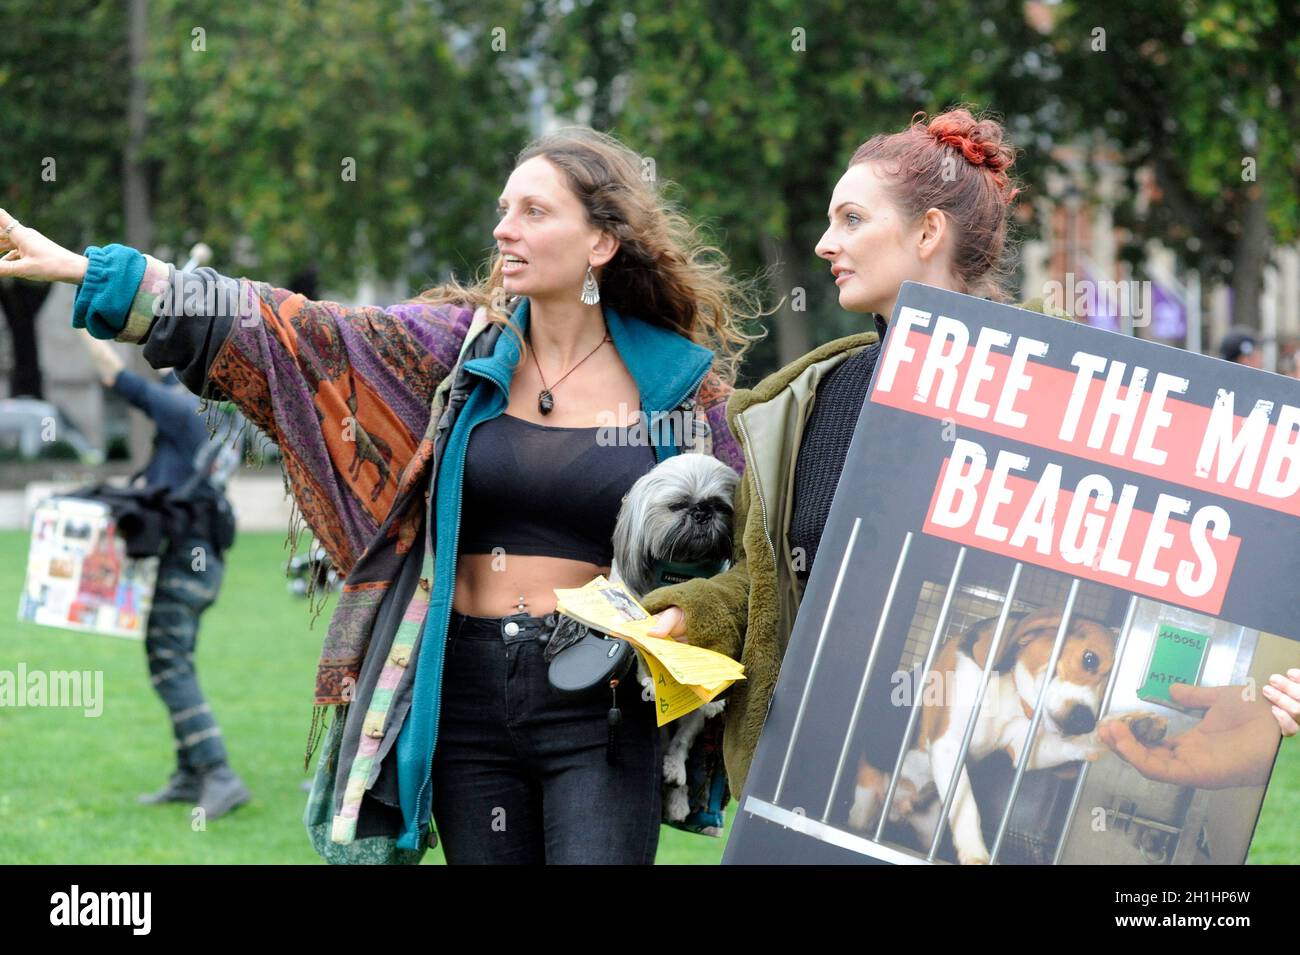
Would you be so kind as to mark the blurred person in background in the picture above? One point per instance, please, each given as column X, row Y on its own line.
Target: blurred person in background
column 190, row 572
column 1241, row 346
column 1289, row 364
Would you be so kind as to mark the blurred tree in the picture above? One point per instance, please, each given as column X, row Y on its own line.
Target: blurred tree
column 338, row 133
column 754, row 109
column 61, row 126
column 1203, row 96
column 364, row 138
column 370, row 137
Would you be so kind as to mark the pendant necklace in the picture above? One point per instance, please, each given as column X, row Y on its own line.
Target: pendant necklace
column 545, row 398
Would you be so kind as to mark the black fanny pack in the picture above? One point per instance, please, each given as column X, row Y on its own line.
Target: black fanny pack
column 582, row 659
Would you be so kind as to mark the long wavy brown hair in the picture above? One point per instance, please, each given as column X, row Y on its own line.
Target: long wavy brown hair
column 664, row 272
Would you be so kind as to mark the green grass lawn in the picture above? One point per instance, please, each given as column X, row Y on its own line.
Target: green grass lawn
column 68, row 783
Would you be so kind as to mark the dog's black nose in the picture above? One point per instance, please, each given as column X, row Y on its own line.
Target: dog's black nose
column 701, row 514
column 1080, row 720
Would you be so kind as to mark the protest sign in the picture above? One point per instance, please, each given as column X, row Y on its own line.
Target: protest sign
column 1043, row 531
column 78, row 574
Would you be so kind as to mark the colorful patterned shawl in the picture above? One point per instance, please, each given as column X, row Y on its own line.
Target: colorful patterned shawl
column 346, row 393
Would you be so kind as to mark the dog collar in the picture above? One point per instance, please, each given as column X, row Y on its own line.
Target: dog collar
column 669, row 572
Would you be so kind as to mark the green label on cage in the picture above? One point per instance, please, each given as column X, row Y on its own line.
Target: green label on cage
column 1175, row 658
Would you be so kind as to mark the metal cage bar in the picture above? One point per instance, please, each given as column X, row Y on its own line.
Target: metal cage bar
column 817, row 654
column 916, row 709
column 1030, row 738
column 960, row 765
column 866, row 676
column 1102, row 710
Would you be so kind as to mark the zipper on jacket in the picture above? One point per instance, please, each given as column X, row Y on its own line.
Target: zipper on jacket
column 437, row 715
column 446, row 624
column 688, row 393
column 694, row 385
column 762, row 506
column 758, row 488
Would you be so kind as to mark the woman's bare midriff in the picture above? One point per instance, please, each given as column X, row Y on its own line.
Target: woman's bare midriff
column 488, row 585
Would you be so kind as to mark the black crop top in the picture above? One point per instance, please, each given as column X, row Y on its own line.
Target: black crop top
column 534, row 489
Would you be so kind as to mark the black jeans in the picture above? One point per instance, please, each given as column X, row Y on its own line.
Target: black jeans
column 520, row 771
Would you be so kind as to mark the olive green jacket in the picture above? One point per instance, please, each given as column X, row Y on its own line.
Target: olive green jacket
column 748, row 611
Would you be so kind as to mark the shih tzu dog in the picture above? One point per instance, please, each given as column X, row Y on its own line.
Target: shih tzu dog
column 675, row 524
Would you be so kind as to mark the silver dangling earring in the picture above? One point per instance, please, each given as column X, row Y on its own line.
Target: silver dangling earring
column 590, row 290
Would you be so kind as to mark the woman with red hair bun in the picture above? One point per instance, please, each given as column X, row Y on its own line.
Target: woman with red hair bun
column 929, row 204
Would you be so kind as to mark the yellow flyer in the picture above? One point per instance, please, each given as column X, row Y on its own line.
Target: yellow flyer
column 685, row 677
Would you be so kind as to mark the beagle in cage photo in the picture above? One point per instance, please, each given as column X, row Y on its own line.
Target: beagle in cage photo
column 1066, row 733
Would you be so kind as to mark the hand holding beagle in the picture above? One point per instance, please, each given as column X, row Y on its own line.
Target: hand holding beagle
column 1232, row 745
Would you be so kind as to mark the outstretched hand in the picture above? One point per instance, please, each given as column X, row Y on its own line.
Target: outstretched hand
column 29, row 255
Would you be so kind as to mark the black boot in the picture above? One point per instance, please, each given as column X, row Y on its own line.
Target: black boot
column 184, row 786
column 221, row 791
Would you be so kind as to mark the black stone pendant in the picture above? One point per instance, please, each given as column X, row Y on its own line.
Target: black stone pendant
column 544, row 401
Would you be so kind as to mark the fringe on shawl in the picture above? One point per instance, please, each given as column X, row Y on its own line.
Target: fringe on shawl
column 217, row 418
column 238, row 427
column 319, row 724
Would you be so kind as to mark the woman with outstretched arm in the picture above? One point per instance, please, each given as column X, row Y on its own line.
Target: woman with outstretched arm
column 445, row 453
